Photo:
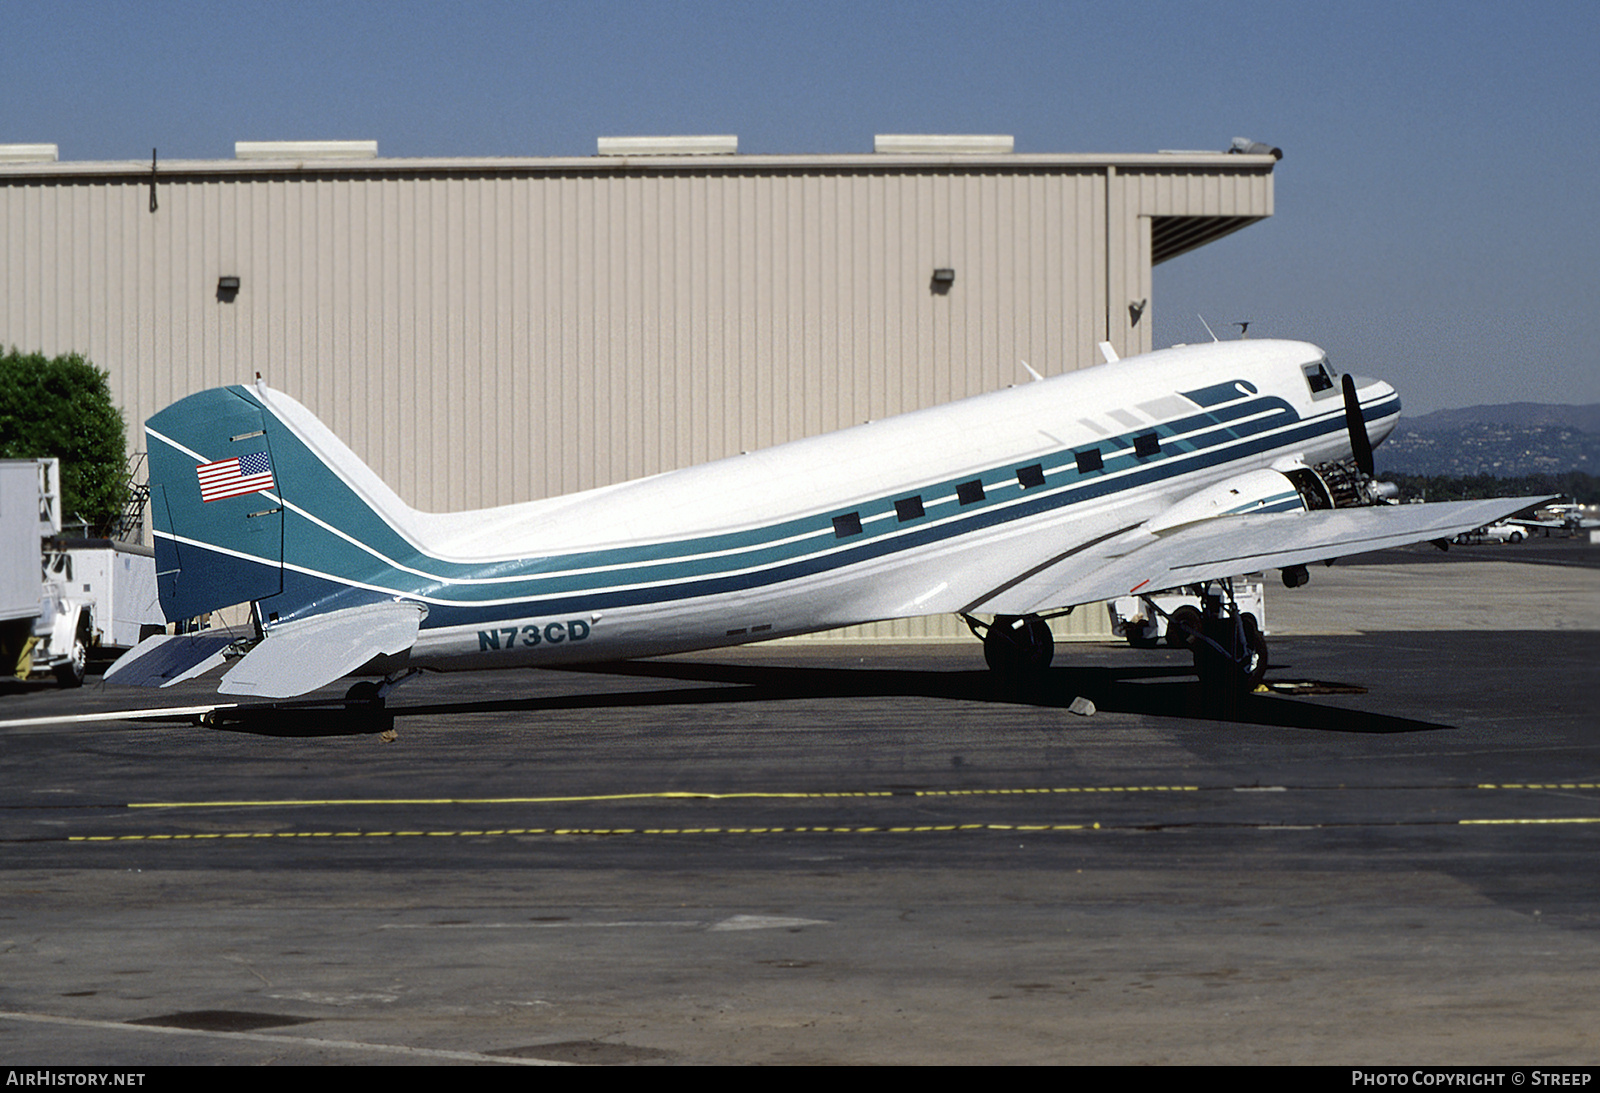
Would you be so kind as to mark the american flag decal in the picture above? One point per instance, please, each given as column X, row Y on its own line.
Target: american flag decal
column 234, row 477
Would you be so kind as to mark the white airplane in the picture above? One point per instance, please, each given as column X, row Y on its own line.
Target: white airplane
column 1172, row 469
column 1562, row 516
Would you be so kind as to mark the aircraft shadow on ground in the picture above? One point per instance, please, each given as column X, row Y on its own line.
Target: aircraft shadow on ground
column 1147, row 691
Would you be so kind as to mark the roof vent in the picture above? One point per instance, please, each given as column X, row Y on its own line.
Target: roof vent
column 305, row 149
column 29, row 153
column 668, row 146
column 979, row 144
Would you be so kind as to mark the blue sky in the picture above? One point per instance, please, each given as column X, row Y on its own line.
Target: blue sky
column 1435, row 224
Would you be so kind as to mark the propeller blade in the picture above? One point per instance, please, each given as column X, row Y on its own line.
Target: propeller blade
column 1360, row 443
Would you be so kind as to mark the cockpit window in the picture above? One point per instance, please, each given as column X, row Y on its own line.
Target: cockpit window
column 1319, row 377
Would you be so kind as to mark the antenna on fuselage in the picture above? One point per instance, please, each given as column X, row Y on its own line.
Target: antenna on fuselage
column 1029, row 367
column 1244, row 329
column 1207, row 325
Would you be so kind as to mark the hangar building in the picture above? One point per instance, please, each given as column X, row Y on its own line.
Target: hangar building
column 484, row 331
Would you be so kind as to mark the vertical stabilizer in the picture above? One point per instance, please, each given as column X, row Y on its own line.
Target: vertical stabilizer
column 254, row 499
column 214, row 503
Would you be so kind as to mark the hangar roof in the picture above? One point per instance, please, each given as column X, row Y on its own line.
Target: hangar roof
column 1175, row 229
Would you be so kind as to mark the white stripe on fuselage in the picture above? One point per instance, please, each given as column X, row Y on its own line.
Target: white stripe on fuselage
column 1178, row 484
column 823, row 534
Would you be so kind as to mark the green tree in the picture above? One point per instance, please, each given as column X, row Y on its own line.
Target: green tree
column 62, row 407
column 1582, row 487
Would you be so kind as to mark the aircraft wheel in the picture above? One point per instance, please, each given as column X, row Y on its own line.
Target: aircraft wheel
column 367, row 693
column 1241, row 670
column 1182, row 627
column 1254, row 668
column 1141, row 635
column 71, row 673
column 1018, row 644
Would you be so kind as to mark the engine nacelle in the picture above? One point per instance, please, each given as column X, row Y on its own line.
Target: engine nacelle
column 1256, row 492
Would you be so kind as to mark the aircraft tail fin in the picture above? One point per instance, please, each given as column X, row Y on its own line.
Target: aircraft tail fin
column 253, row 499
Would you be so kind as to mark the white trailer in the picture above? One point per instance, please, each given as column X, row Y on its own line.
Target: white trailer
column 119, row 579
column 62, row 600
column 19, row 539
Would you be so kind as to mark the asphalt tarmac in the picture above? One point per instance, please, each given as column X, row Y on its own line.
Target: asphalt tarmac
column 818, row 854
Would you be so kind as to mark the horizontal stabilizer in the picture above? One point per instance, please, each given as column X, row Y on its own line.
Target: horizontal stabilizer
column 297, row 657
column 166, row 659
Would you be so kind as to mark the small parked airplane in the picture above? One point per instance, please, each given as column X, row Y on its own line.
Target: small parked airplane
column 1173, row 469
column 1560, row 516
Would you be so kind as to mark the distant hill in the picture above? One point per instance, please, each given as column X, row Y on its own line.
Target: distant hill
column 1509, row 440
column 1585, row 419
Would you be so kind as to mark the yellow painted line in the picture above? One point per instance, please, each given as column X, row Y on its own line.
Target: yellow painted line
column 592, row 798
column 699, row 795
column 594, row 831
column 1059, row 789
column 1551, row 820
column 1540, row 785
column 672, row 795
column 868, row 829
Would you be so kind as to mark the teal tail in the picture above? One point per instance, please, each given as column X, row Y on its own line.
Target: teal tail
column 253, row 499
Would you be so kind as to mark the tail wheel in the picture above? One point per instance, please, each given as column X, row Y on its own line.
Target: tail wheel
column 367, row 694
column 1018, row 644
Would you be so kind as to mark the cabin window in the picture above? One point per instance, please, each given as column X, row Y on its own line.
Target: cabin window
column 908, row 508
column 847, row 525
column 1031, row 476
column 969, row 492
column 1146, row 444
column 1089, row 460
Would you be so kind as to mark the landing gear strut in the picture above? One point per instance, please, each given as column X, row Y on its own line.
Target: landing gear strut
column 1230, row 653
column 1015, row 645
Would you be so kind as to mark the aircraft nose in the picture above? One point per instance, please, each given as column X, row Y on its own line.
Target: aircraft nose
column 1380, row 406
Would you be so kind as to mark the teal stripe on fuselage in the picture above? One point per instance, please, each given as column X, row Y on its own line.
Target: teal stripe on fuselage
column 463, row 612
column 304, row 475
column 548, row 580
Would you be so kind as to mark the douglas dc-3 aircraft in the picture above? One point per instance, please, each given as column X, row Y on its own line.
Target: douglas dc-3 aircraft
column 1172, row 469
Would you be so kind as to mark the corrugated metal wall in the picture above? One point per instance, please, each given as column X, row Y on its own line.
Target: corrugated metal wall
column 483, row 334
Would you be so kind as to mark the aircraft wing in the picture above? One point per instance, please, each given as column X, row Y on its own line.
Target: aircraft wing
column 301, row 656
column 1138, row 561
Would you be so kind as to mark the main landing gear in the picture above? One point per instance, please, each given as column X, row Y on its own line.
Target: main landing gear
column 1015, row 645
column 1230, row 652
